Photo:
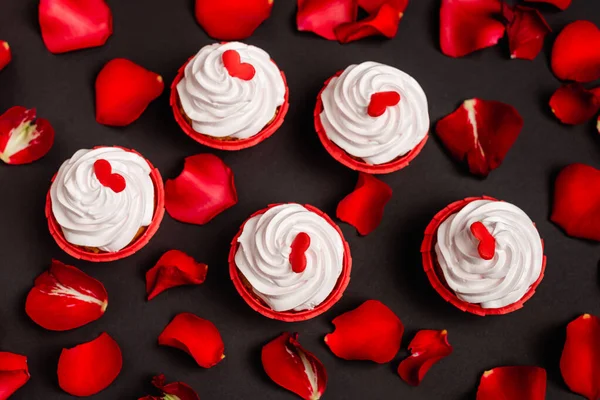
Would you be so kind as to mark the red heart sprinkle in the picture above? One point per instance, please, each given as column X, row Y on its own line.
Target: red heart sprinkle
column 300, row 244
column 236, row 68
column 487, row 243
column 103, row 171
column 381, row 101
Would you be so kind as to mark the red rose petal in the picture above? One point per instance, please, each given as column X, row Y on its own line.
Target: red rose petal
column 14, row 373
column 526, row 29
column 123, row 92
column 573, row 104
column 580, row 361
column 322, row 17
column 363, row 208
column 372, row 6
column 480, row 132
column 23, row 138
column 90, row 367
column 370, row 332
column 69, row 25
column 293, row 368
column 196, row 336
column 562, row 4
column 180, row 390
column 504, row 383
column 467, row 26
column 64, row 298
column 384, row 22
column 232, row 19
column 174, row 268
column 5, row 54
column 203, row 190
column 576, row 52
column 427, row 348
column 577, row 201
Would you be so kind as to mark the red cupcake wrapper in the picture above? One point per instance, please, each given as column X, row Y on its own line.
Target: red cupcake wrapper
column 291, row 316
column 231, row 145
column 80, row 253
column 344, row 158
column 432, row 270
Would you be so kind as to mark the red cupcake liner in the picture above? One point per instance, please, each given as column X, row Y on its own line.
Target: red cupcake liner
column 230, row 145
column 434, row 273
column 291, row 316
column 344, row 158
column 80, row 253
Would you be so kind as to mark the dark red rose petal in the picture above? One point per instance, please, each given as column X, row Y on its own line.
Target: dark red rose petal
column 203, row 190
column 577, row 201
column 370, row 332
column 384, row 23
column 179, row 390
column 196, row 336
column 5, row 54
column 468, row 26
column 480, row 132
column 562, row 4
column 69, row 25
column 322, row 17
column 504, row 383
column 23, row 138
column 123, row 91
column 90, row 367
column 293, row 368
column 573, row 104
column 363, row 208
column 427, row 348
column 14, row 373
column 174, row 268
column 64, row 298
column 580, row 361
column 372, row 6
column 232, row 19
column 526, row 30
column 576, row 52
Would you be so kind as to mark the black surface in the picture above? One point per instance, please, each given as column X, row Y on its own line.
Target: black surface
column 292, row 166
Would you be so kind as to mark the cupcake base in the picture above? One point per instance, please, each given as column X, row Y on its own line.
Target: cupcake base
column 258, row 305
column 435, row 275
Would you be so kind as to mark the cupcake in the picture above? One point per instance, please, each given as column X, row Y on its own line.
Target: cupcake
column 372, row 118
column 229, row 96
column 105, row 204
column 484, row 256
column 290, row 262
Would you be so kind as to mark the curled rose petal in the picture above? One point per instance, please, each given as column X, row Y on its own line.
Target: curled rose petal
column 203, row 190
column 23, row 138
column 526, row 30
column 322, row 17
column 293, row 368
column 64, row 298
column 363, row 208
column 174, row 268
column 232, row 19
column 562, row 4
column 14, row 373
column 427, row 348
column 69, row 25
column 171, row 391
column 384, row 22
column 513, row 383
column 370, row 332
column 573, row 104
column 480, row 132
column 5, row 54
column 580, row 360
column 576, row 52
column 468, row 26
column 123, row 92
column 90, row 367
column 577, row 201
column 196, row 336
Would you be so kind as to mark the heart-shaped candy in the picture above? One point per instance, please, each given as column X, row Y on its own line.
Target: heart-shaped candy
column 300, row 244
column 487, row 243
column 236, row 68
column 380, row 101
column 105, row 176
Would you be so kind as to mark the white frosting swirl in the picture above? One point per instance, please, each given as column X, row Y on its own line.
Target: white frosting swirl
column 517, row 263
column 220, row 105
column 263, row 257
column 375, row 140
column 93, row 215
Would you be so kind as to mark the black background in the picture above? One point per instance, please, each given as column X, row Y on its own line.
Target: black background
column 292, row 166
